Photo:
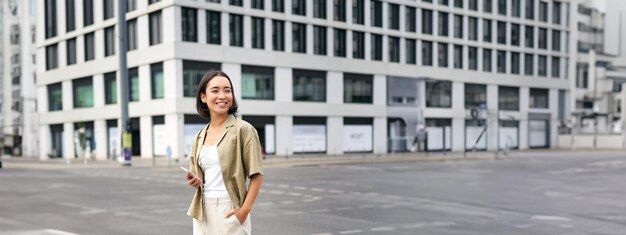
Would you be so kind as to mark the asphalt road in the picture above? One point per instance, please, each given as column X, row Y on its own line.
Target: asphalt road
column 531, row 193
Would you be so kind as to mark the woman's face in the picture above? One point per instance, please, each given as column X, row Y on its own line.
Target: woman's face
column 218, row 95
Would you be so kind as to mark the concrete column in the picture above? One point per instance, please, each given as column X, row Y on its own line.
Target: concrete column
column 202, row 26
column 68, row 140
column 623, row 117
column 284, row 125
column 247, row 31
column 225, row 25
column 100, row 131
column 458, row 120
column 78, row 10
column 98, row 42
column 335, row 135
column 523, row 108
column 45, row 144
column 288, row 31
column 380, row 135
column 145, row 91
column 174, row 123
column 334, row 87
column 268, row 28
column 68, row 103
column 171, row 84
column 283, row 82
column 380, row 90
column 553, row 99
column 42, row 99
column 349, row 43
column 492, row 118
column 309, row 39
column 145, row 123
column 98, row 90
column 171, row 28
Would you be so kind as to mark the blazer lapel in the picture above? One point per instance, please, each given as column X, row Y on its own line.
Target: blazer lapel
column 230, row 121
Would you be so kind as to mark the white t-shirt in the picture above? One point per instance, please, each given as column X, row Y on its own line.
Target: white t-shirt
column 213, row 182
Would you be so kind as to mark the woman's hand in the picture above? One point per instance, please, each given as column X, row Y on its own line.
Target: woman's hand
column 241, row 214
column 193, row 180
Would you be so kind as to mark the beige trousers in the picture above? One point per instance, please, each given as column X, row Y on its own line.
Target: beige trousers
column 214, row 222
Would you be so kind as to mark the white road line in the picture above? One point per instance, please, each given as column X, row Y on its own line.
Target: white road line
column 318, row 189
column 300, row 188
column 383, row 229
column 294, row 213
column 322, row 234
column 351, row 231
column 320, row 210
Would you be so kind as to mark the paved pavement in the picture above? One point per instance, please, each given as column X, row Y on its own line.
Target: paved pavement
column 530, row 192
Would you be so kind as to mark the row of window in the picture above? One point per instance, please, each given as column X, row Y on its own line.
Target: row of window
column 236, row 31
column 439, row 95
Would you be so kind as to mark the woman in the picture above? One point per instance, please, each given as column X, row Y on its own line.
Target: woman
column 224, row 154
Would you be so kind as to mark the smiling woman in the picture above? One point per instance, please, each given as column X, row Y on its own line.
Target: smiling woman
column 224, row 155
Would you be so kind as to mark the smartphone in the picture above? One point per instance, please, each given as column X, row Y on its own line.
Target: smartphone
column 185, row 169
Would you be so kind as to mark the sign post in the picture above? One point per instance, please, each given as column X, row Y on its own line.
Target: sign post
column 127, row 142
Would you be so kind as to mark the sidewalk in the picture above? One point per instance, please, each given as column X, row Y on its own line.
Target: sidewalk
column 271, row 161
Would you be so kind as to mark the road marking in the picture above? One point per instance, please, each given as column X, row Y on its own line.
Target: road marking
column 294, row 213
column 294, row 194
column 335, row 191
column 351, row 231
column 300, row 188
column 383, row 229
column 320, row 210
column 317, row 190
column 551, row 218
column 85, row 210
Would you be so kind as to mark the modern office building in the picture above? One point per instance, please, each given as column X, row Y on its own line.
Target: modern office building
column 18, row 124
column 313, row 76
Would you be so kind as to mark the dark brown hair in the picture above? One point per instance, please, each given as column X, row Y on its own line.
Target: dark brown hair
column 201, row 107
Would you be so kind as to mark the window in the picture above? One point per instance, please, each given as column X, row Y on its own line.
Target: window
column 309, row 85
column 70, row 16
column 133, row 84
column 90, row 51
column 543, row 11
column 410, row 24
column 358, row 45
column 515, row 8
column 502, row 7
column 475, row 96
column 131, row 28
column 556, row 40
column 528, row 64
column 439, row 94
column 394, row 16
column 473, row 5
column 443, row 24
column 71, row 51
column 501, row 32
column 52, row 57
column 427, row 53
column 153, row 1
column 530, row 9
column 442, row 52
column 156, row 80
column 458, row 3
column 529, row 37
column 358, row 12
column 236, row 3
column 508, row 98
column 542, row 65
column 538, row 98
column 458, row 26
column 376, row 13
column 340, row 42
column 189, row 24
column 110, row 88
column 556, row 12
column 278, row 35
column 87, row 12
column 236, row 30
column 298, row 7
column 411, row 57
column 131, row 5
column 299, row 37
column 458, row 56
column 55, row 97
column 427, row 21
column 377, row 47
column 278, row 5
column 51, row 18
column 487, row 6
column 155, row 28
column 83, row 92
column 473, row 28
column 515, row 34
column 486, row 30
column 257, row 82
column 214, row 27
column 340, row 10
column 543, row 38
column 487, row 60
column 358, row 88
column 473, row 58
column 109, row 41
column 319, row 9
column 258, row 33
column 556, row 67
column 582, row 75
column 394, row 49
column 319, row 40
column 444, row 2
column 515, row 61
column 258, row 4
column 501, row 61
column 108, row 10
column 192, row 74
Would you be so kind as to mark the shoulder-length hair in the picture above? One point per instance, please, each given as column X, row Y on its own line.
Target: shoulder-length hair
column 201, row 107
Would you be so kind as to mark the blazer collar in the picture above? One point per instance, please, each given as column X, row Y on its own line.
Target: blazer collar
column 229, row 122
